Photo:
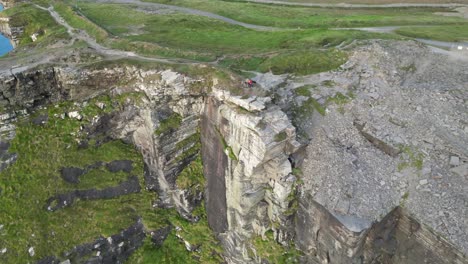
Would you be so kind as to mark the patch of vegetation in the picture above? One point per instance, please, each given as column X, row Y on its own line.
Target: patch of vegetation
column 304, row 62
column 304, row 90
column 409, row 69
column 339, row 99
column 79, row 22
column 281, row 136
column 328, row 83
column 183, row 35
column 247, row 63
column 451, row 33
column 34, row 20
column 404, row 198
column 313, row 17
column 192, row 178
column 273, row 252
column 192, row 151
column 169, row 124
column 307, row 109
column 188, row 141
column 228, row 148
column 297, row 172
column 173, row 250
column 410, row 158
column 35, row 176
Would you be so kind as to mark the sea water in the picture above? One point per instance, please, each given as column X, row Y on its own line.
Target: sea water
column 5, row 44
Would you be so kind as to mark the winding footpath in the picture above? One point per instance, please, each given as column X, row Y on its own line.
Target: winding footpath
column 186, row 10
column 82, row 35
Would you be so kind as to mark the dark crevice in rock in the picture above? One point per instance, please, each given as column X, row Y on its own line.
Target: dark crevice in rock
column 380, row 144
column 112, row 250
column 215, row 162
column 40, row 120
column 67, row 199
column 120, row 165
column 159, row 236
column 72, row 174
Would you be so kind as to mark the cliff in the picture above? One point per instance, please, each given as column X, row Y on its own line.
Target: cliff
column 337, row 210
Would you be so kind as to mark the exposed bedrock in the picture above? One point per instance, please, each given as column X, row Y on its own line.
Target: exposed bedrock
column 114, row 249
column 385, row 170
column 67, row 199
column 245, row 155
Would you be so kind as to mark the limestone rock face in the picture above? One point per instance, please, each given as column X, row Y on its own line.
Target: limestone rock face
column 388, row 145
column 245, row 155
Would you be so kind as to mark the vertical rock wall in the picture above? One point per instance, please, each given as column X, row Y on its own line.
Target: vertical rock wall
column 246, row 148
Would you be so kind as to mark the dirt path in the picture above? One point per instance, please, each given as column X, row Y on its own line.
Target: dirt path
column 113, row 53
column 190, row 11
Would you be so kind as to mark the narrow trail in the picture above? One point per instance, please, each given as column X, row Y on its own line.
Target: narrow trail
column 113, row 53
column 345, row 5
column 190, row 11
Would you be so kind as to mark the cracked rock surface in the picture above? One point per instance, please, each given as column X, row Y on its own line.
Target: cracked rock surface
column 407, row 100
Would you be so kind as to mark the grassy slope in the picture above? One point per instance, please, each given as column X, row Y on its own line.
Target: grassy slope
column 442, row 33
column 34, row 20
column 204, row 36
column 28, row 183
column 306, row 17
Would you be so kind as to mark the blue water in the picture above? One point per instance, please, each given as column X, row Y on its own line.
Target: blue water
column 5, row 44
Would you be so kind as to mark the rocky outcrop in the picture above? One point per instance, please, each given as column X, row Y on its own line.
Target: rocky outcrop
column 245, row 156
column 377, row 174
column 11, row 32
column 113, row 249
column 31, row 89
column 67, row 199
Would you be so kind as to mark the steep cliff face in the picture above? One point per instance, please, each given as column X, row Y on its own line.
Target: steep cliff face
column 246, row 145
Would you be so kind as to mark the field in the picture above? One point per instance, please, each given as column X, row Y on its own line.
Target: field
column 301, row 40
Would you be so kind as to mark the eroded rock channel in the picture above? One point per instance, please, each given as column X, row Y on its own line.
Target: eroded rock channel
column 260, row 181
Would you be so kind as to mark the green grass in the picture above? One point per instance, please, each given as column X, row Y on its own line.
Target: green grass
column 190, row 33
column 34, row 20
column 35, row 176
column 173, row 250
column 79, row 22
column 304, row 62
column 28, row 183
column 304, row 90
column 307, row 108
column 191, row 178
column 443, row 33
column 308, row 17
column 299, row 62
column 280, row 136
column 410, row 159
column 273, row 252
column 169, row 124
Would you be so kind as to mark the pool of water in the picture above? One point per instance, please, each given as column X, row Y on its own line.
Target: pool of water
column 5, row 44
